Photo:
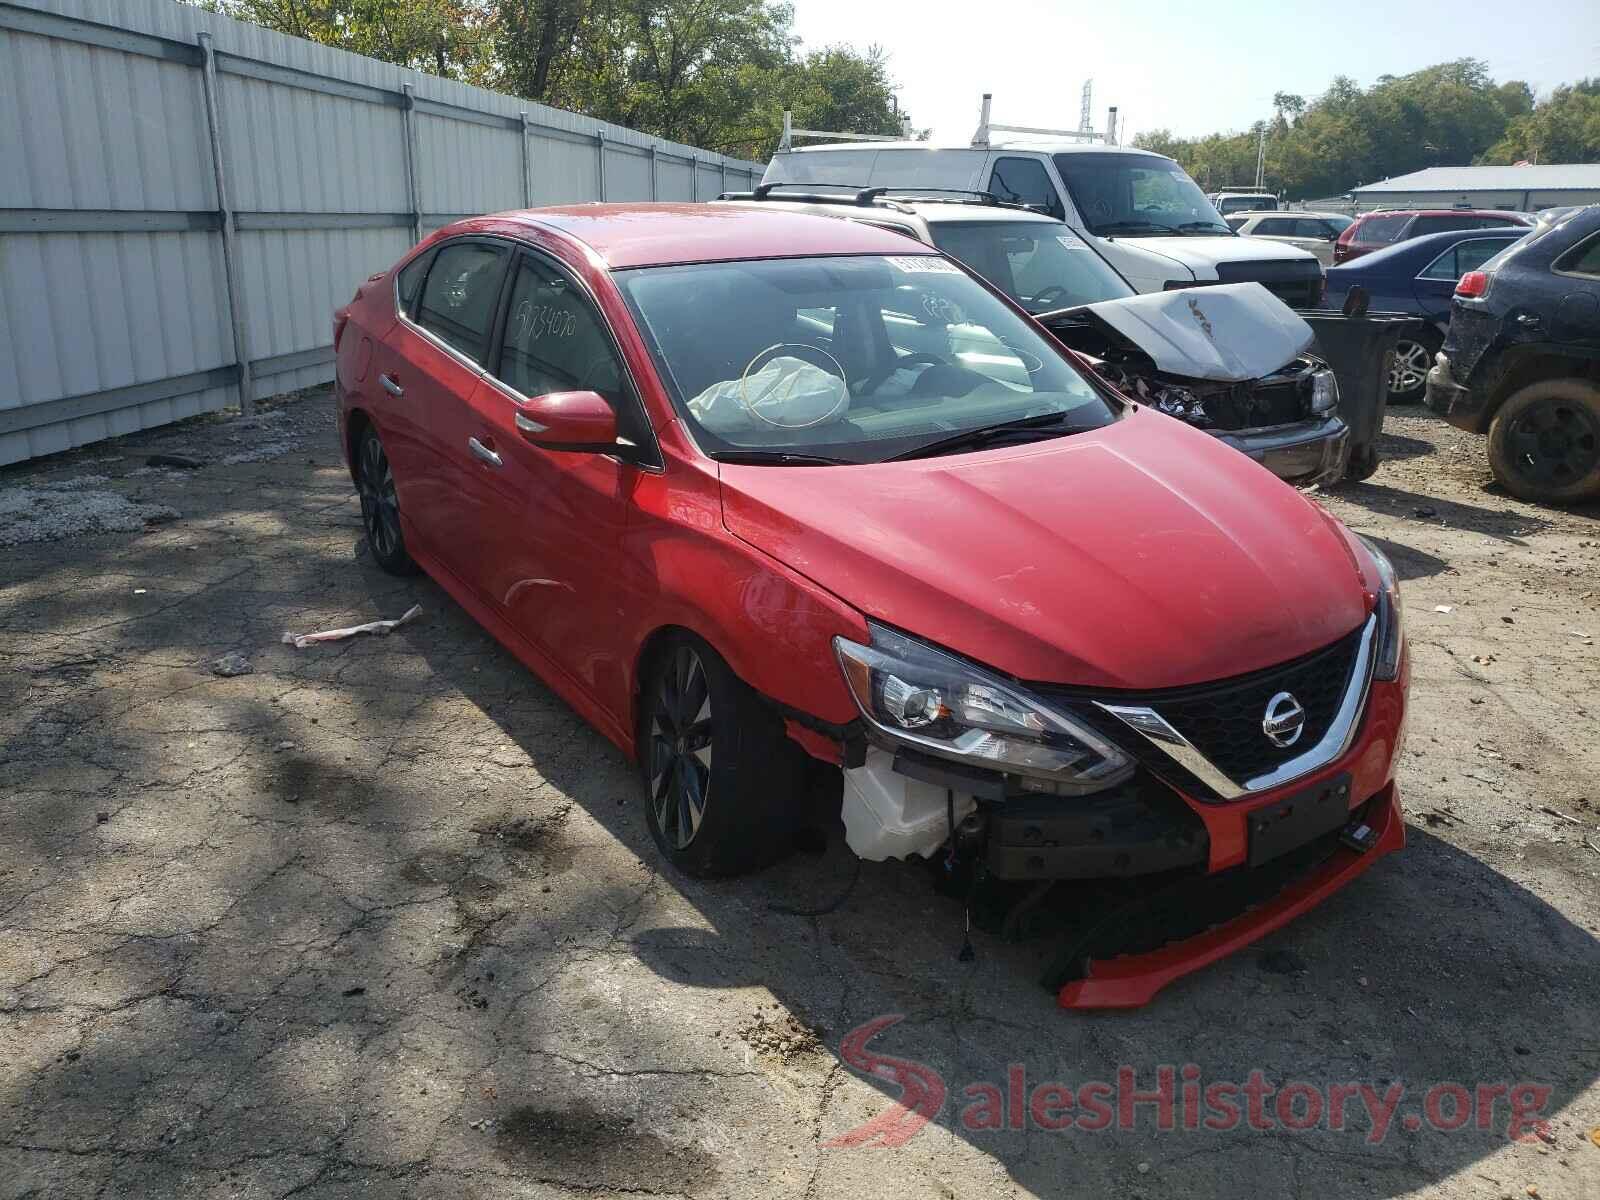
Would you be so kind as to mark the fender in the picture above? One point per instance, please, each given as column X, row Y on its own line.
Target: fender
column 774, row 628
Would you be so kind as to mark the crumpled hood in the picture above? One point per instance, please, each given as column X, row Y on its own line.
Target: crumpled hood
column 1231, row 332
column 1142, row 555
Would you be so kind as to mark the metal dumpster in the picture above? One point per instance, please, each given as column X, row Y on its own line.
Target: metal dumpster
column 1359, row 348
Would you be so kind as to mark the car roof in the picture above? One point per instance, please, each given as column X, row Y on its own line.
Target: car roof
column 1443, row 212
column 644, row 235
column 1288, row 212
column 1431, row 244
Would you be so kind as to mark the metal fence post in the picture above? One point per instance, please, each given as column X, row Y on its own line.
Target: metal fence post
column 724, row 174
column 408, row 118
column 527, row 163
column 230, row 250
column 694, row 178
column 600, row 154
column 655, row 169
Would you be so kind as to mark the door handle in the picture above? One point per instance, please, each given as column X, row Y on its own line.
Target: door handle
column 391, row 385
column 480, row 451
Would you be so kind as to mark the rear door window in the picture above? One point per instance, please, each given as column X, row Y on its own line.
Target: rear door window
column 1025, row 181
column 458, row 300
column 1461, row 258
column 1379, row 231
column 1443, row 224
column 1277, row 227
column 1583, row 259
column 1311, row 227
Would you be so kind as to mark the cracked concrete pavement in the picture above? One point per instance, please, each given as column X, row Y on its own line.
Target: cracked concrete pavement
column 382, row 917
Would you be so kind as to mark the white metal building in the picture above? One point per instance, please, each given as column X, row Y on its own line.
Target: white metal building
column 1524, row 189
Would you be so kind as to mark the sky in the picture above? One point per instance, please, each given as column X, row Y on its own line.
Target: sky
column 1191, row 67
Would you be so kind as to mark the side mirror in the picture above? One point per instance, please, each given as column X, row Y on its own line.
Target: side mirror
column 576, row 421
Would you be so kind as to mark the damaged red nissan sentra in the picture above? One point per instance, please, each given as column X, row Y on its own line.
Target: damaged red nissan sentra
column 785, row 504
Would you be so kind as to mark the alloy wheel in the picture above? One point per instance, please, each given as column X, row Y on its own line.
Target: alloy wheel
column 680, row 747
column 380, row 507
column 1409, row 370
column 1555, row 443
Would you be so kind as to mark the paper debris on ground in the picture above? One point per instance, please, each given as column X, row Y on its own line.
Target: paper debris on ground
column 1444, row 608
column 301, row 640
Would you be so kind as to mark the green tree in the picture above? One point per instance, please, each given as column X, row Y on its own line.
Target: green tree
column 1447, row 114
column 1564, row 128
column 714, row 73
column 452, row 38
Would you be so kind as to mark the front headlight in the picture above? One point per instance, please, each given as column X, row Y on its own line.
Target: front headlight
column 935, row 702
column 1324, row 392
column 1391, row 633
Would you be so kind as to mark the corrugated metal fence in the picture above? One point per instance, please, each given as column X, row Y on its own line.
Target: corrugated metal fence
column 184, row 200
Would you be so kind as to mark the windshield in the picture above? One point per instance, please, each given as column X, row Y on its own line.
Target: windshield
column 1234, row 204
column 1041, row 266
column 1139, row 194
column 854, row 359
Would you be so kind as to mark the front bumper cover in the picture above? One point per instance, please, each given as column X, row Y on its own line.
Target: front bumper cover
column 1133, row 980
column 1303, row 453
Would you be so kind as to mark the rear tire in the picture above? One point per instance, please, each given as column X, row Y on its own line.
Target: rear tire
column 1544, row 443
column 724, row 784
column 380, row 506
column 1408, row 370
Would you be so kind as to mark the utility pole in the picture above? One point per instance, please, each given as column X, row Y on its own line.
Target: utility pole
column 1261, row 160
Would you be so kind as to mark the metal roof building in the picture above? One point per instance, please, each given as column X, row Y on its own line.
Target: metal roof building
column 1525, row 189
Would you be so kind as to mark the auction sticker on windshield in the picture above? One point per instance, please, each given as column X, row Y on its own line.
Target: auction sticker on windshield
column 922, row 264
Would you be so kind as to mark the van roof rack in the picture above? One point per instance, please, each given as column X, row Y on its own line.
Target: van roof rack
column 786, row 142
column 887, row 197
column 980, row 139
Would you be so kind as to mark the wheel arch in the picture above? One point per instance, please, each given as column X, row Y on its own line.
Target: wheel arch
column 1533, row 364
column 356, row 422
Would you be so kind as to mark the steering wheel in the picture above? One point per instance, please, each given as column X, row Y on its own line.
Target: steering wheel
column 827, row 363
column 871, row 383
column 1054, row 291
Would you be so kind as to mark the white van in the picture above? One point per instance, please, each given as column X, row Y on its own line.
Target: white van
column 1229, row 203
column 1142, row 212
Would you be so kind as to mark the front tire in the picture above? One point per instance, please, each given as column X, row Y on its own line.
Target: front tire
column 1408, row 370
column 1544, row 443
column 380, row 506
column 723, row 781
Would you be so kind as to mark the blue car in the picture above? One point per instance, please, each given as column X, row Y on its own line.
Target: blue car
column 1418, row 277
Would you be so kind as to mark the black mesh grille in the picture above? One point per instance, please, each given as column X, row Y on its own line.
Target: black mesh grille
column 1223, row 720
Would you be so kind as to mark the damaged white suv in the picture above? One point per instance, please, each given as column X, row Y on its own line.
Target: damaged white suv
column 1230, row 359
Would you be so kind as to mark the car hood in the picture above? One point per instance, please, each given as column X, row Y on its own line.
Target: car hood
column 1231, row 332
column 1206, row 252
column 1138, row 556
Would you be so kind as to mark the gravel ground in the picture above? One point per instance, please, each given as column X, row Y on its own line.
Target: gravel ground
column 382, row 917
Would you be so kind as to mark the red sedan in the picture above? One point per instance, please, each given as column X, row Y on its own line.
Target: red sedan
column 748, row 487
